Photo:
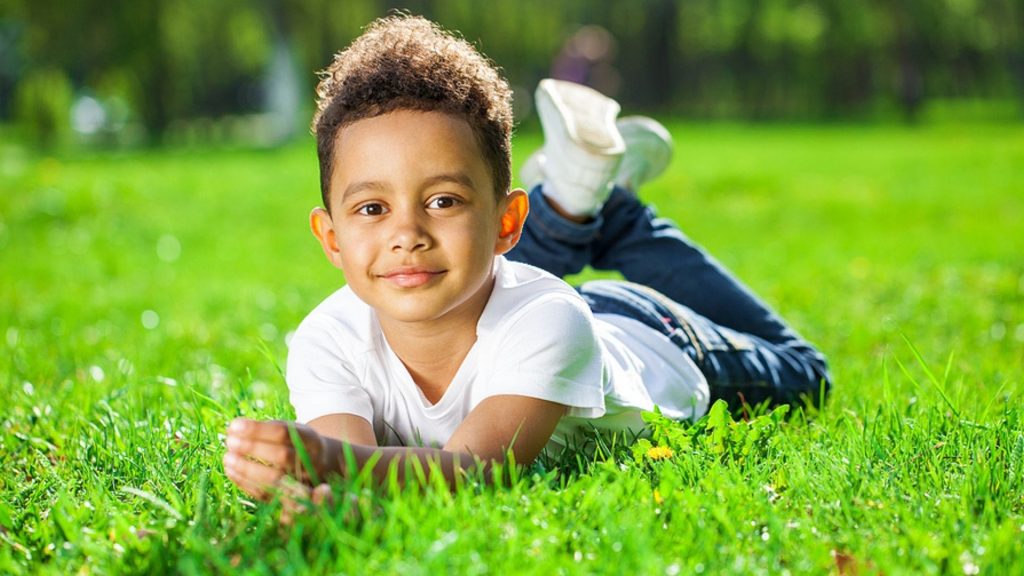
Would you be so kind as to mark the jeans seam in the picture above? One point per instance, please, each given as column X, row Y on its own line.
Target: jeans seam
column 691, row 334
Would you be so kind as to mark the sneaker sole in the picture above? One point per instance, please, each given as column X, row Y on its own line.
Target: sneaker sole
column 649, row 150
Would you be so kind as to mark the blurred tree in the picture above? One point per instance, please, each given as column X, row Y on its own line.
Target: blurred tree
column 42, row 106
column 176, row 60
column 11, row 61
column 184, row 57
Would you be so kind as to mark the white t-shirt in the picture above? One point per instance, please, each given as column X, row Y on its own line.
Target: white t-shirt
column 536, row 337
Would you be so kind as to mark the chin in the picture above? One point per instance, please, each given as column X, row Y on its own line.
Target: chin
column 412, row 312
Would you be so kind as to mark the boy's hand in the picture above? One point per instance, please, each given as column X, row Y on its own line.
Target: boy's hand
column 297, row 499
column 260, row 454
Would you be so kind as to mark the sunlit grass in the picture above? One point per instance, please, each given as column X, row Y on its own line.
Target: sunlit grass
column 145, row 299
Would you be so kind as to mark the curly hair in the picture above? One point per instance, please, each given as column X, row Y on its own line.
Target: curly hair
column 404, row 62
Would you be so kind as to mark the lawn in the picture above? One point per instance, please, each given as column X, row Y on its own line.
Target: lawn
column 146, row 298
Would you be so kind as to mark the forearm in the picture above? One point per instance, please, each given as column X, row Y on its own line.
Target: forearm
column 498, row 426
column 341, row 456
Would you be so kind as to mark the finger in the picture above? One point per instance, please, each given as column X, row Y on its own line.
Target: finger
column 245, row 485
column 294, row 497
column 283, row 457
column 279, row 433
column 260, row 430
column 280, row 456
column 254, row 478
column 293, row 494
column 244, row 436
column 322, row 495
column 287, row 516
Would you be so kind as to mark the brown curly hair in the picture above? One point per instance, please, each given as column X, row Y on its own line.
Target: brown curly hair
column 404, row 62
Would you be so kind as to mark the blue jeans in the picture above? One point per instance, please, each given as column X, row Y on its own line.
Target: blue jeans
column 743, row 348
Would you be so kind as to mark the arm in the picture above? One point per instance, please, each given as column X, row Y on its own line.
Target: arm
column 345, row 427
column 260, row 453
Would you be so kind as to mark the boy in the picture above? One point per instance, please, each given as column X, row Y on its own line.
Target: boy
column 443, row 345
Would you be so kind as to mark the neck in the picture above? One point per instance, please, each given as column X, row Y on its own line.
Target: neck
column 432, row 351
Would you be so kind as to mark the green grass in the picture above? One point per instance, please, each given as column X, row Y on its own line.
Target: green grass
column 898, row 251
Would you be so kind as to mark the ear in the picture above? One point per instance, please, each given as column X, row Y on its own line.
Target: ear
column 515, row 208
column 323, row 228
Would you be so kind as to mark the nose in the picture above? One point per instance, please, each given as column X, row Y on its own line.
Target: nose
column 409, row 233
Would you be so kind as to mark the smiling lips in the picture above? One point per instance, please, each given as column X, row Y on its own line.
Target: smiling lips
column 411, row 276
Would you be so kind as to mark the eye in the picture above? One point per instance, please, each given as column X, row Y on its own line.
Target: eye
column 371, row 209
column 442, row 202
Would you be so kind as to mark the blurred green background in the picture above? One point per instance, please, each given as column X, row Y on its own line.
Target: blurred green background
column 858, row 164
column 129, row 72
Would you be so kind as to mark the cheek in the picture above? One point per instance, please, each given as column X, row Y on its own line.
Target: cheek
column 354, row 247
column 478, row 238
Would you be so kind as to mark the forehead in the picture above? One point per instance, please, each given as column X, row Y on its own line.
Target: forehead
column 406, row 146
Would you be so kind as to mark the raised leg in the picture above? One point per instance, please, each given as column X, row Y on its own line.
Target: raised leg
column 745, row 349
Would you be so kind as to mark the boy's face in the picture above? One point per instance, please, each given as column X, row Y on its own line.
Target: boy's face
column 415, row 223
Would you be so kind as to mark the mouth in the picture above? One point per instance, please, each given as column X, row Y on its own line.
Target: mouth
column 411, row 276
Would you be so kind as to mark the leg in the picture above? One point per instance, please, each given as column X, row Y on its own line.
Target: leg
column 654, row 252
column 746, row 352
column 745, row 349
column 569, row 178
column 553, row 243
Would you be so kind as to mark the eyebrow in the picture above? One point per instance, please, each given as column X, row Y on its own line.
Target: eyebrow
column 360, row 186
column 460, row 178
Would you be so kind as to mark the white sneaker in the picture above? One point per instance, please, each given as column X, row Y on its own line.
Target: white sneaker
column 582, row 146
column 532, row 171
column 648, row 151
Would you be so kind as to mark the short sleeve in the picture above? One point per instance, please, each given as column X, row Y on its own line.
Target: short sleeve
column 321, row 380
column 549, row 350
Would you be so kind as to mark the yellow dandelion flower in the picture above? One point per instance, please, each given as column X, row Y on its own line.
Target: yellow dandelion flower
column 660, row 453
column 657, row 497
